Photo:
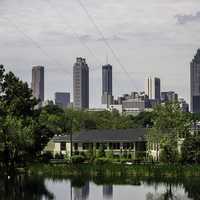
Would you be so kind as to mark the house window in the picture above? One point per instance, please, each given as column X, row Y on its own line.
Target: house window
column 97, row 145
column 102, row 145
column 63, row 146
column 85, row 146
column 128, row 146
column 75, row 146
column 114, row 145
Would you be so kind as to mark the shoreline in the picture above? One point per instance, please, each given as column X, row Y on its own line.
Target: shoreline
column 115, row 170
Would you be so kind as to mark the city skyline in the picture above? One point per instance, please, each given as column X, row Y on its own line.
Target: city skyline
column 161, row 46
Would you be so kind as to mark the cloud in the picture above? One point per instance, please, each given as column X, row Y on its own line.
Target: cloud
column 115, row 38
column 86, row 38
column 184, row 19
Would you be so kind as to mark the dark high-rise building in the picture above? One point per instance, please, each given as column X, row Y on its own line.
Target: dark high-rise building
column 37, row 84
column 81, row 84
column 107, row 97
column 62, row 99
column 195, row 83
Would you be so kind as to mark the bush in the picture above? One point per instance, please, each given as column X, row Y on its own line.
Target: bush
column 101, row 161
column 66, row 157
column 140, row 155
column 101, row 151
column 109, row 154
column 59, row 156
column 169, row 154
column 46, row 156
column 77, row 159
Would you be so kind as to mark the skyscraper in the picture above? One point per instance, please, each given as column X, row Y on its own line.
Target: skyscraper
column 81, row 84
column 152, row 88
column 62, row 99
column 107, row 97
column 195, row 83
column 38, row 82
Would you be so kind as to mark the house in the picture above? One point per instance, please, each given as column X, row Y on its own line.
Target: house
column 119, row 141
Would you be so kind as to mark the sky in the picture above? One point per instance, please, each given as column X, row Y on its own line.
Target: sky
column 149, row 38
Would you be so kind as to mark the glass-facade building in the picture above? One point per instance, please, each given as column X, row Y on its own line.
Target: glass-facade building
column 81, row 84
column 107, row 97
column 195, row 83
column 37, row 84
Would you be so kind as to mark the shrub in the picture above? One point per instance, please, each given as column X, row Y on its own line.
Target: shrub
column 77, row 159
column 101, row 152
column 46, row 156
column 101, row 161
column 59, row 156
column 66, row 157
column 140, row 155
column 109, row 154
column 169, row 154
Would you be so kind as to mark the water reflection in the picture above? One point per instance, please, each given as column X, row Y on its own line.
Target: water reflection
column 23, row 187
column 107, row 191
column 82, row 193
column 83, row 188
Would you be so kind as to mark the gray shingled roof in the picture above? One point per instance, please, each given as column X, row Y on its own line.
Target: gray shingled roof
column 125, row 135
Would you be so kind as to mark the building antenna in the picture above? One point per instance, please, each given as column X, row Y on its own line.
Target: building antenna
column 107, row 59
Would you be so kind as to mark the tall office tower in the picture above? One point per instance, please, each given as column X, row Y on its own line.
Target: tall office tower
column 81, row 84
column 195, row 83
column 62, row 99
column 152, row 88
column 107, row 97
column 38, row 82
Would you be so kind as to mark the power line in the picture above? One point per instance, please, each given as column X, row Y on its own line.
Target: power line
column 37, row 45
column 104, row 39
column 76, row 35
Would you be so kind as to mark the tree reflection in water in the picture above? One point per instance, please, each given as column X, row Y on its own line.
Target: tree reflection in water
column 24, row 187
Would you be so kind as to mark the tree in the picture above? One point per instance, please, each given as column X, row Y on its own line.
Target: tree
column 16, row 139
column 191, row 149
column 20, row 131
column 143, row 120
column 169, row 125
column 15, row 97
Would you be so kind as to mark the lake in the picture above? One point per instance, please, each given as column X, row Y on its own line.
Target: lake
column 101, row 188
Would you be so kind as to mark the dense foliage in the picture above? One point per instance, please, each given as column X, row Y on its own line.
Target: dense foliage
column 25, row 130
column 22, row 137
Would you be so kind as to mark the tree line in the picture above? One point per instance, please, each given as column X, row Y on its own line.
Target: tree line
column 26, row 130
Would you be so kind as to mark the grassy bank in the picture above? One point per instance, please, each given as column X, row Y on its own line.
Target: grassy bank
column 115, row 170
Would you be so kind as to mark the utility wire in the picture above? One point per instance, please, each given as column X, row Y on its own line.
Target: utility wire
column 76, row 35
column 36, row 44
column 104, row 39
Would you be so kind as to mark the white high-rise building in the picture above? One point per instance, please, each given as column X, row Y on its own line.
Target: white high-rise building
column 152, row 88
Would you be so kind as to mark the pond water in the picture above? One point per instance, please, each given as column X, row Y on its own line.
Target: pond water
column 78, row 188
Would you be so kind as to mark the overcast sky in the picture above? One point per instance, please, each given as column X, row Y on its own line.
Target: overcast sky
column 150, row 37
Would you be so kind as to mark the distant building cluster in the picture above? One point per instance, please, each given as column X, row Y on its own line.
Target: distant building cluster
column 132, row 103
